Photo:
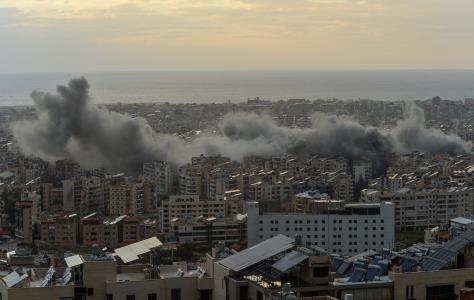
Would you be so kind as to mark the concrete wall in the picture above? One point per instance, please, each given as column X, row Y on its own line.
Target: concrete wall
column 44, row 293
column 162, row 287
column 96, row 274
column 220, row 272
column 420, row 280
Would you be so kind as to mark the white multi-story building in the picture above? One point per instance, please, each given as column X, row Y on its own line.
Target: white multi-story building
column 352, row 229
column 425, row 208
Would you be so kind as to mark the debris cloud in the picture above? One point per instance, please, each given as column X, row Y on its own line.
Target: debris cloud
column 70, row 126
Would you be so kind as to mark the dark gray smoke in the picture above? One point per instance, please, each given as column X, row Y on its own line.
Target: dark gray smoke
column 70, row 126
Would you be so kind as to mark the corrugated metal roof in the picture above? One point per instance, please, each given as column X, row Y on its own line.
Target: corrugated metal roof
column 289, row 261
column 258, row 253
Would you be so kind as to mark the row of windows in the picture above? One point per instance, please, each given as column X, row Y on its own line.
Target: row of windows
column 132, row 297
column 322, row 221
column 322, row 229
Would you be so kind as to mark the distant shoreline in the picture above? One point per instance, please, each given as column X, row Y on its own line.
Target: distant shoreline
column 238, row 86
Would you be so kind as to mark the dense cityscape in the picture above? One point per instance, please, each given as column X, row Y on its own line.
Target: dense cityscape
column 323, row 199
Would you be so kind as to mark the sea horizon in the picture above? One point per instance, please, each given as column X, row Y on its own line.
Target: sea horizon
column 219, row 86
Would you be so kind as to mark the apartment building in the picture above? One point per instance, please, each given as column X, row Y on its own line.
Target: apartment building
column 61, row 231
column 128, row 198
column 24, row 221
column 189, row 206
column 70, row 231
column 210, row 231
column 348, row 229
column 418, row 209
column 362, row 170
column 221, row 180
column 159, row 173
column 190, row 180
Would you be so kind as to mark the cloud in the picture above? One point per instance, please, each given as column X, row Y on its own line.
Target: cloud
column 281, row 33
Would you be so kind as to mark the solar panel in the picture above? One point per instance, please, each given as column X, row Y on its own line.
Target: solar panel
column 456, row 244
column 264, row 270
column 73, row 261
column 289, row 261
column 13, row 279
column 386, row 253
column 126, row 254
column 442, row 256
column 408, row 263
column 152, row 242
column 357, row 275
column 383, row 264
column 336, row 262
column 131, row 252
column 344, row 267
column 66, row 276
column 372, row 271
column 258, row 253
column 359, row 264
column 439, row 259
column 48, row 277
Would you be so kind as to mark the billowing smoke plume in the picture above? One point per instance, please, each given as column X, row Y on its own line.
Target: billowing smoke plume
column 70, row 126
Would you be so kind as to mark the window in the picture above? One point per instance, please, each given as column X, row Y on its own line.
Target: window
column 320, row 272
column 130, row 297
column 110, row 297
column 90, row 292
column 243, row 292
column 440, row 292
column 469, row 284
column 175, row 294
column 152, row 296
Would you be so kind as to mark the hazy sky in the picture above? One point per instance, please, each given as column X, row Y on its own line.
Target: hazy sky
column 92, row 35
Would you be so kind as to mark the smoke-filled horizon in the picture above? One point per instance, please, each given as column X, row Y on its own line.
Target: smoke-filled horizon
column 70, row 126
